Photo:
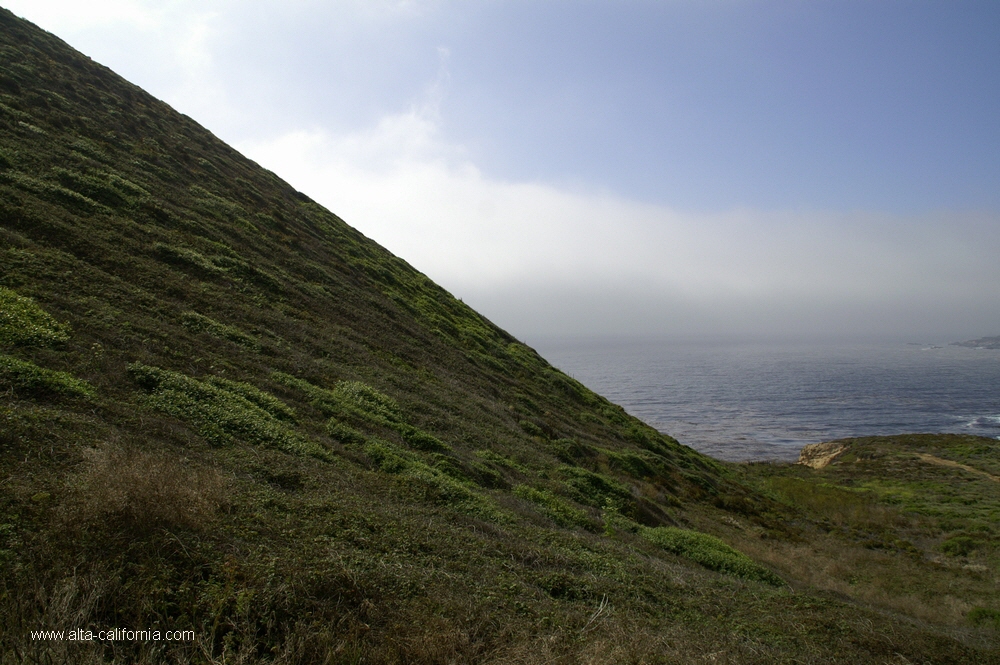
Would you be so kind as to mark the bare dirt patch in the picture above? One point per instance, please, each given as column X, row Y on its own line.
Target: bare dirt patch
column 931, row 459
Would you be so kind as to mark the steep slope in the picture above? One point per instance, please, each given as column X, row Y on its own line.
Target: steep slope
column 227, row 412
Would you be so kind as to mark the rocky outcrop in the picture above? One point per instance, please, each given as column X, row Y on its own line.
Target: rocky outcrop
column 818, row 455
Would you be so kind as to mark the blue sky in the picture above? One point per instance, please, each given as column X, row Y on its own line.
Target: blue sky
column 676, row 167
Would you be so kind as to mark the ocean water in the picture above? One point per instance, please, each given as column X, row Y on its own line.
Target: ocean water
column 765, row 400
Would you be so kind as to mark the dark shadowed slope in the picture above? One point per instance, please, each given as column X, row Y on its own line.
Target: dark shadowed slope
column 224, row 411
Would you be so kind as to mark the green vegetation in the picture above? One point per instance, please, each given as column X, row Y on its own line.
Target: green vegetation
column 198, row 323
column 710, row 552
column 224, row 410
column 559, row 510
column 355, row 404
column 909, row 522
column 27, row 379
column 439, row 484
column 24, row 323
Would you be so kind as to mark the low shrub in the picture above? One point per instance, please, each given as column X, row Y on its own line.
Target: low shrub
column 433, row 484
column 531, row 428
column 105, row 188
column 264, row 400
column 57, row 194
column 571, row 450
column 387, row 457
column 419, row 439
column 185, row 256
column 640, row 466
column 960, row 546
column 564, row 586
column 983, row 616
column 27, row 379
column 488, row 477
column 349, row 400
column 361, row 397
column 354, row 404
column 451, row 466
column 615, row 522
column 24, row 323
column 556, row 508
column 344, row 433
column 709, row 552
column 200, row 323
column 221, row 413
column 320, row 398
column 501, row 460
column 593, row 489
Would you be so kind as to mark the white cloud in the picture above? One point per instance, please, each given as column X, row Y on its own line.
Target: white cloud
column 541, row 258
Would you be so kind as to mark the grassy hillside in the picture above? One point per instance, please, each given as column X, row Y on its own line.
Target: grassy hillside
column 225, row 411
column 910, row 523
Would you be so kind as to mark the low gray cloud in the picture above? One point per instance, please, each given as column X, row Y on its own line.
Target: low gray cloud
column 540, row 259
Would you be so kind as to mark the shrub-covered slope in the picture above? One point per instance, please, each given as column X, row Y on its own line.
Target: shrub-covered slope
column 923, row 514
column 225, row 411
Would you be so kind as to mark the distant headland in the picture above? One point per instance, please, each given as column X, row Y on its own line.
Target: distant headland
column 981, row 343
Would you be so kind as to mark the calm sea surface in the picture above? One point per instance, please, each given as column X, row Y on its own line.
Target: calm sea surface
column 740, row 401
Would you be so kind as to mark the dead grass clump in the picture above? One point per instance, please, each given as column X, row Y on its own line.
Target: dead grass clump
column 150, row 489
column 876, row 578
column 48, row 601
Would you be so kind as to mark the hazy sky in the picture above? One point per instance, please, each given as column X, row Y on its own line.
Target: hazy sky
column 712, row 167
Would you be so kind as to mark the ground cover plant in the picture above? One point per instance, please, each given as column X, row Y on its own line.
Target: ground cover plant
column 909, row 521
column 225, row 411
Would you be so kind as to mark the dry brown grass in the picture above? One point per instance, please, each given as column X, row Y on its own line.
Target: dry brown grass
column 875, row 578
column 149, row 489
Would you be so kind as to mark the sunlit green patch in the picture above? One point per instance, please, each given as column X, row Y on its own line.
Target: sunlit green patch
column 105, row 188
column 359, row 406
column 24, row 323
column 438, row 484
column 361, row 398
column 556, row 508
column 501, row 460
column 27, row 379
column 344, row 433
column 710, row 552
column 983, row 616
column 200, row 323
column 186, row 256
column 57, row 194
column 222, row 412
column 831, row 502
column 594, row 489
column 961, row 545
column 264, row 400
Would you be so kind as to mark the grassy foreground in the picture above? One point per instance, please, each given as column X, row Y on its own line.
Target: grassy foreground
column 225, row 412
